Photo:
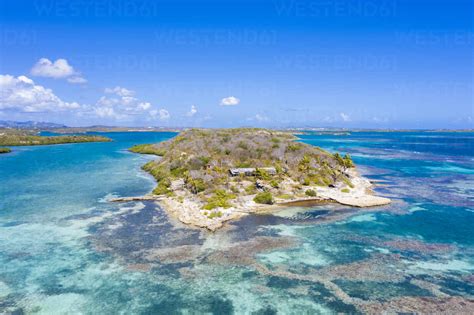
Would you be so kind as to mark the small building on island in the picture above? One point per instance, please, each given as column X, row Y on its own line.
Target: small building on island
column 250, row 171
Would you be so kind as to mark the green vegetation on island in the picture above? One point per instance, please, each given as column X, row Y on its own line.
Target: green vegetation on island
column 146, row 149
column 218, row 166
column 264, row 198
column 5, row 150
column 11, row 137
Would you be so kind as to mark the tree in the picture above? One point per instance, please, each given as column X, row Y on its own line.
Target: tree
column 348, row 163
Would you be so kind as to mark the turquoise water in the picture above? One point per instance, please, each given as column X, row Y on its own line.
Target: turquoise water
column 65, row 250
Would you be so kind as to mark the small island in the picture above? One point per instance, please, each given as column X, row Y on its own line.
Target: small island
column 5, row 150
column 15, row 137
column 207, row 177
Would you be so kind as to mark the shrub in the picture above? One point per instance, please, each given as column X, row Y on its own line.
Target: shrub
column 213, row 215
column 250, row 189
column 310, row 193
column 345, row 190
column 293, row 147
column 262, row 174
column 243, row 164
column 147, row 149
column 178, row 171
column 243, row 145
column 348, row 182
column 274, row 183
column 264, row 198
column 205, row 159
column 348, row 161
column 219, row 199
column 157, row 171
column 196, row 185
column 163, row 187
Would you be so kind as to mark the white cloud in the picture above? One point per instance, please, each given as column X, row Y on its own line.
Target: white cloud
column 162, row 114
column 193, row 111
column 121, row 104
column 345, row 117
column 230, row 101
column 76, row 80
column 58, row 69
column 120, row 91
column 144, row 106
column 108, row 112
column 22, row 94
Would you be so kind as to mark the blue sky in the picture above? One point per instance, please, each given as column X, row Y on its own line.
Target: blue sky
column 281, row 63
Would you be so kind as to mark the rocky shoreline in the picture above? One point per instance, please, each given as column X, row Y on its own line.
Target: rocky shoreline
column 189, row 210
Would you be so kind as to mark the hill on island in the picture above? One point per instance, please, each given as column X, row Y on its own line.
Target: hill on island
column 199, row 162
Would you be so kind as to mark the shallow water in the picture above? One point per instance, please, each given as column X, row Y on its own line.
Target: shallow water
column 64, row 249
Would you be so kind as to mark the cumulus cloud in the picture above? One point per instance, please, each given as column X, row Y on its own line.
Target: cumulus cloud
column 22, row 94
column 345, row 117
column 108, row 112
column 58, row 69
column 193, row 111
column 121, row 104
column 230, row 101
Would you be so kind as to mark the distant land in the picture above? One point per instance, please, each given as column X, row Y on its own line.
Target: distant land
column 29, row 125
column 23, row 137
column 61, row 128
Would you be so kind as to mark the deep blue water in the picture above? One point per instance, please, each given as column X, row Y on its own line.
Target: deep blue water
column 65, row 250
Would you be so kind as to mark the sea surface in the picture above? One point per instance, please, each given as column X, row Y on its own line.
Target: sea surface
column 65, row 250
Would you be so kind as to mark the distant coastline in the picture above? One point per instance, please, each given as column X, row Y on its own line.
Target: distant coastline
column 36, row 126
column 13, row 137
